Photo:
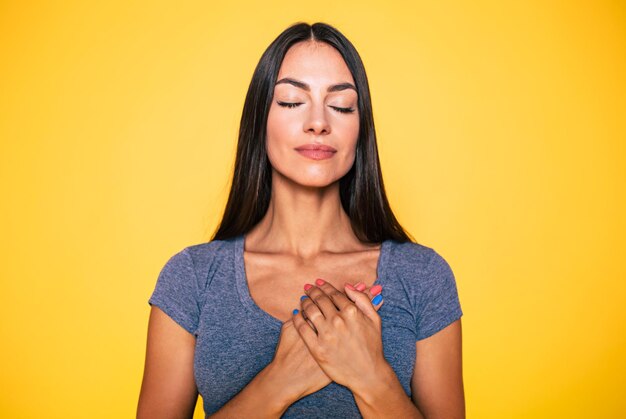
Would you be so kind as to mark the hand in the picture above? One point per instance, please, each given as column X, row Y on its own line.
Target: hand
column 345, row 337
column 293, row 367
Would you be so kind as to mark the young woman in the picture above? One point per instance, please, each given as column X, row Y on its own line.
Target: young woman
column 281, row 314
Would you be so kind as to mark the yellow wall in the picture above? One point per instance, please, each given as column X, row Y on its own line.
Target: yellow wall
column 502, row 138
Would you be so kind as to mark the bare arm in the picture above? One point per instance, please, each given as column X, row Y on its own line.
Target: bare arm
column 169, row 390
column 385, row 398
column 258, row 399
column 437, row 383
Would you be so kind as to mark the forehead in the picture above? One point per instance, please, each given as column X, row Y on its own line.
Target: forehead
column 315, row 63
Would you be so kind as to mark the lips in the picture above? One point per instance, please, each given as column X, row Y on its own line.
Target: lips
column 316, row 147
column 316, row 151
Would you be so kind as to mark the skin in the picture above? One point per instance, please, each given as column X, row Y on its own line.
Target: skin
column 305, row 190
column 336, row 335
column 294, row 367
column 346, row 334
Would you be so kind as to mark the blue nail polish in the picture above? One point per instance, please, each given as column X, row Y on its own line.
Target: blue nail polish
column 303, row 297
column 295, row 311
column 377, row 299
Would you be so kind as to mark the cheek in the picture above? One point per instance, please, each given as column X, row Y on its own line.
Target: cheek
column 348, row 157
column 350, row 131
column 348, row 128
column 274, row 132
column 279, row 135
column 281, row 128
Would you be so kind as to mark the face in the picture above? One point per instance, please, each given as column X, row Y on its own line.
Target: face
column 314, row 106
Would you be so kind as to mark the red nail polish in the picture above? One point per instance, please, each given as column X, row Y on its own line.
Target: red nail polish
column 320, row 281
column 376, row 289
column 361, row 286
column 350, row 286
column 307, row 287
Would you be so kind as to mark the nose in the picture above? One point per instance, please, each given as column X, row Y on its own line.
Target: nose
column 317, row 121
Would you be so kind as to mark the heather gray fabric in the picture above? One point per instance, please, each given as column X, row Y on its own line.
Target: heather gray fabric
column 204, row 289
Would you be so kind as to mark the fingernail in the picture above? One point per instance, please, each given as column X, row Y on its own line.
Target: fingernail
column 295, row 311
column 361, row 286
column 307, row 287
column 376, row 289
column 377, row 299
column 350, row 286
column 303, row 297
column 320, row 281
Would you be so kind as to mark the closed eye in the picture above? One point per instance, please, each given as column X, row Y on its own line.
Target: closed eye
column 343, row 110
column 295, row 104
column 289, row 105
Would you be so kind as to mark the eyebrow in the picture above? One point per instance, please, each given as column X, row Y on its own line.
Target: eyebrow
column 304, row 86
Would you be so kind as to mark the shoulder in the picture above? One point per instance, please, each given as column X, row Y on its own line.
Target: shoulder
column 187, row 273
column 206, row 252
column 421, row 270
column 412, row 258
column 197, row 260
column 428, row 283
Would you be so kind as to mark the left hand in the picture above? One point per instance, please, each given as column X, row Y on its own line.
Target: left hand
column 347, row 340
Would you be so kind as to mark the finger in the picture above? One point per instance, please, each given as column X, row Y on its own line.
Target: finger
column 372, row 292
column 338, row 298
column 304, row 329
column 311, row 309
column 363, row 302
column 375, row 296
column 377, row 301
column 304, row 315
column 322, row 299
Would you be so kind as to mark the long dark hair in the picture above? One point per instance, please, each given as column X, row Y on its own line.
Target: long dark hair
column 361, row 189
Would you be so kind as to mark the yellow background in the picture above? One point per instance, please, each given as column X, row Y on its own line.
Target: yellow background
column 502, row 133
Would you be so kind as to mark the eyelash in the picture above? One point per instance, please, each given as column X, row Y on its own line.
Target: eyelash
column 293, row 105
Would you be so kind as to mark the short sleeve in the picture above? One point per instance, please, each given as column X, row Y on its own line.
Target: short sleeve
column 438, row 304
column 177, row 291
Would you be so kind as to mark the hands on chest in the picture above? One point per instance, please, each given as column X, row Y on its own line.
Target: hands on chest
column 334, row 336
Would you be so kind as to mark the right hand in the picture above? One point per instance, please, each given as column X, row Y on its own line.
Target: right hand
column 293, row 368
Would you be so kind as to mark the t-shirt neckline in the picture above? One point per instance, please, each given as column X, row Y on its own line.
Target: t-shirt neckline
column 244, row 291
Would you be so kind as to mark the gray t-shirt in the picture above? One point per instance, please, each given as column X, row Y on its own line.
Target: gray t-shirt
column 204, row 289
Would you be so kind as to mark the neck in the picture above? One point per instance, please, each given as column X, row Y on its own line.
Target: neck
column 303, row 221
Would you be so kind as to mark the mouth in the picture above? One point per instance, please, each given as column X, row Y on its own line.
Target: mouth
column 316, row 151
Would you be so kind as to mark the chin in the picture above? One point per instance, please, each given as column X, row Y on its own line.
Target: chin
column 317, row 184
column 310, row 180
column 313, row 181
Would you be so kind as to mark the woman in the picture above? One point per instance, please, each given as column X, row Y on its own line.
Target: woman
column 281, row 314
